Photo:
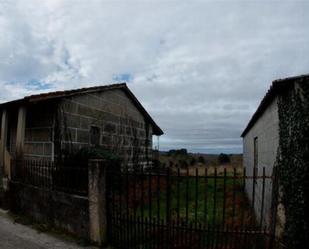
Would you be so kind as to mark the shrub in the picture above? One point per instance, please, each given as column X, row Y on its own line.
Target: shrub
column 87, row 153
column 223, row 159
column 193, row 161
column 201, row 159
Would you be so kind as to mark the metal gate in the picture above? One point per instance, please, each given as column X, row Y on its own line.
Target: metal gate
column 191, row 208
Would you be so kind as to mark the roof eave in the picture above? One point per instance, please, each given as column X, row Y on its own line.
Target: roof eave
column 278, row 86
column 156, row 129
column 63, row 94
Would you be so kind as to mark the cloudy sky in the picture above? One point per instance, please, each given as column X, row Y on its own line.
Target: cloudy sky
column 199, row 67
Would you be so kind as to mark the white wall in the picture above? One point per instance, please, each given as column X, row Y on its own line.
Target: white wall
column 266, row 129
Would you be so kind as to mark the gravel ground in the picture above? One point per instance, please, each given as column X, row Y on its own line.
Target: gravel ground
column 17, row 236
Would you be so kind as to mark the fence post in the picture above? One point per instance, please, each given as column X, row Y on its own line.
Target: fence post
column 97, row 201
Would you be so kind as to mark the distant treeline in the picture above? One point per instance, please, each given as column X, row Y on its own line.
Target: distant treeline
column 177, row 152
column 182, row 158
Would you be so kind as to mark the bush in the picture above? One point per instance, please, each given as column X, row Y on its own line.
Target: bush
column 183, row 164
column 193, row 161
column 156, row 163
column 171, row 164
column 87, row 153
column 224, row 159
column 201, row 159
column 95, row 153
column 182, row 152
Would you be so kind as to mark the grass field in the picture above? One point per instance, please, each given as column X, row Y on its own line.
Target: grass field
column 214, row 203
column 193, row 199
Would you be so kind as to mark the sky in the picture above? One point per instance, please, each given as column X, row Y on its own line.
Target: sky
column 200, row 68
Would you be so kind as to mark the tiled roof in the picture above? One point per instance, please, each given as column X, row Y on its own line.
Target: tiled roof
column 62, row 94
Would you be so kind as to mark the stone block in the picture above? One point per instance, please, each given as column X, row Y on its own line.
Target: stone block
column 41, row 134
column 72, row 120
column 106, row 139
column 51, row 207
column 70, row 134
column 110, row 128
column 128, row 131
column 115, row 109
column 97, row 201
column 111, row 117
column 69, row 106
column 83, row 110
column 47, row 149
column 82, row 136
column 84, row 123
column 82, row 99
column 121, row 130
column 142, row 133
column 94, row 102
column 34, row 148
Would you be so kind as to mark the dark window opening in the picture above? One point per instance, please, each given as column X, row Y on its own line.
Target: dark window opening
column 94, row 135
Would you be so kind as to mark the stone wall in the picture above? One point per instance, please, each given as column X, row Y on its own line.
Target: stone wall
column 60, row 210
column 122, row 128
column 55, row 128
column 266, row 129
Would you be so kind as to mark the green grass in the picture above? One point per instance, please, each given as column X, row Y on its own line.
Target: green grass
column 206, row 211
column 209, row 204
column 210, row 197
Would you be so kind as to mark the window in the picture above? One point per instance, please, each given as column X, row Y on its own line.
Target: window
column 256, row 157
column 94, row 135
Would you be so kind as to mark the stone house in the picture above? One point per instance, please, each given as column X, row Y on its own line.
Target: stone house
column 269, row 136
column 57, row 124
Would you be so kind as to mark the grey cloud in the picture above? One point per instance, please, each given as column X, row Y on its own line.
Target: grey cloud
column 199, row 68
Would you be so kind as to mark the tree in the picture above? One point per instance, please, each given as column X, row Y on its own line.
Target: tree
column 183, row 152
column 201, row 159
column 193, row 161
column 183, row 164
column 171, row 164
column 224, row 159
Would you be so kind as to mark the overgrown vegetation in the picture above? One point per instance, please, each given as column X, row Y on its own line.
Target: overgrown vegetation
column 208, row 199
column 96, row 153
column 143, row 205
column 210, row 211
column 294, row 164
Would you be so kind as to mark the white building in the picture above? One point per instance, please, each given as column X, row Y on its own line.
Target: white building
column 261, row 141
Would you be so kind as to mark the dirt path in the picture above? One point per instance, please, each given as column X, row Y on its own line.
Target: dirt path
column 17, row 236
